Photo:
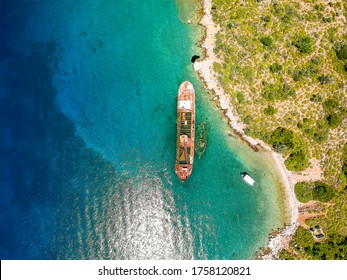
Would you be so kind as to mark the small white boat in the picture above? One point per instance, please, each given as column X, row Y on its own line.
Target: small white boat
column 247, row 178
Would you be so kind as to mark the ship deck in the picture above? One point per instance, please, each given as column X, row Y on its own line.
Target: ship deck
column 185, row 130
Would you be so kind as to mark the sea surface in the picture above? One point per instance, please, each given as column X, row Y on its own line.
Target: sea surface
column 87, row 139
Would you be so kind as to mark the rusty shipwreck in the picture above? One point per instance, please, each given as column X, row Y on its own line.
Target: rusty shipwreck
column 185, row 131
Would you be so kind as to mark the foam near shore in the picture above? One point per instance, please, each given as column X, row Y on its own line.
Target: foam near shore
column 205, row 71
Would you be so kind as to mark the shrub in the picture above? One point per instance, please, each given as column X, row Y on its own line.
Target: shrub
column 282, row 139
column 322, row 192
column 316, row 191
column 334, row 120
column 308, row 70
column 285, row 255
column 333, row 249
column 304, row 44
column 266, row 18
column 217, row 67
column 342, row 52
column 288, row 91
column 286, row 18
column 316, row 98
column 277, row 6
column 325, row 79
column 330, row 105
column 274, row 68
column 303, row 192
column 281, row 92
column 269, row 110
column 297, row 161
column 344, row 169
column 248, row 119
column 267, row 41
column 320, row 136
column 240, row 96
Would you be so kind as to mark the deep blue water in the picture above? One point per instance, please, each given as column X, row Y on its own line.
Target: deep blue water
column 87, row 140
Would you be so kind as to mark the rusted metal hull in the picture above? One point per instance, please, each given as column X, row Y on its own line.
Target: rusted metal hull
column 185, row 131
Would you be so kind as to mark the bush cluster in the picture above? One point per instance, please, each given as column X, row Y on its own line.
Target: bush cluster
column 304, row 44
column 335, row 248
column 342, row 52
column 270, row 110
column 274, row 68
column 309, row 70
column 284, row 141
column 334, row 112
column 313, row 191
column 278, row 91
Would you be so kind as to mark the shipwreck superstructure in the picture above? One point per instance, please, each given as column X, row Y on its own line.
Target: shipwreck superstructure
column 185, row 131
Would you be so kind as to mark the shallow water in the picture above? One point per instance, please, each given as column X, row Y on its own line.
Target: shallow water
column 88, row 94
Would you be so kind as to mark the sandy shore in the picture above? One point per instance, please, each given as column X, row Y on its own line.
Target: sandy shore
column 205, row 71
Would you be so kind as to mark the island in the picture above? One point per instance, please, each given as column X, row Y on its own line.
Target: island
column 279, row 72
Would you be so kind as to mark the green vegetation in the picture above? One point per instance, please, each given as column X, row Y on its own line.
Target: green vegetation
column 342, row 52
column 248, row 119
column 325, row 79
column 282, row 140
column 303, row 192
column 286, row 142
column 269, row 110
column 334, row 120
column 334, row 245
column 313, row 191
column 297, row 161
column 294, row 59
column 344, row 161
column 309, row 70
column 291, row 58
column 266, row 18
column 278, row 91
column 267, row 41
column 331, row 105
column 322, row 192
column 304, row 44
column 334, row 112
column 240, row 96
column 335, row 248
column 274, row 68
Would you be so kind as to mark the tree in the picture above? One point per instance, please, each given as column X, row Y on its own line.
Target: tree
column 267, row 41
column 282, row 140
column 303, row 192
column 342, row 52
column 304, row 44
column 334, row 120
column 322, row 192
column 297, row 161
column 330, row 105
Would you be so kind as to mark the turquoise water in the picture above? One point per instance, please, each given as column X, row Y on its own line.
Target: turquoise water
column 115, row 67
